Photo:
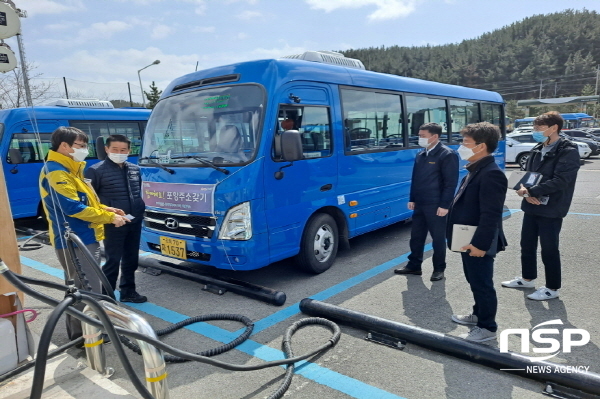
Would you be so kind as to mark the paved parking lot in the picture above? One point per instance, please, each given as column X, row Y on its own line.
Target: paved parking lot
column 362, row 279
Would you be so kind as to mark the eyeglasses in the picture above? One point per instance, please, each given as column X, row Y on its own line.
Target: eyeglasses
column 81, row 145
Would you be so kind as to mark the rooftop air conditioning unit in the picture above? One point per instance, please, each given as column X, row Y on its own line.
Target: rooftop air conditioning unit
column 328, row 57
column 82, row 103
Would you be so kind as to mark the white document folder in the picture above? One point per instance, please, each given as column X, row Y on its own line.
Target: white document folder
column 462, row 235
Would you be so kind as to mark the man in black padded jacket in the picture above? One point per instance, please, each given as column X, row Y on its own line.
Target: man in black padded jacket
column 118, row 182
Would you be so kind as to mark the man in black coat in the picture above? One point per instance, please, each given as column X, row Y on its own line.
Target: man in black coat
column 433, row 183
column 545, row 205
column 118, row 182
column 479, row 202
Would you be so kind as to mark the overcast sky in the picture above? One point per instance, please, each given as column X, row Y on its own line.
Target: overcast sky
column 110, row 40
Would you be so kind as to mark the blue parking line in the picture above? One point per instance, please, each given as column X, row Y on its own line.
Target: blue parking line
column 34, row 264
column 312, row 371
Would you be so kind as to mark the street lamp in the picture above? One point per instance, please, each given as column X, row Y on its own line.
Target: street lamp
column 140, row 78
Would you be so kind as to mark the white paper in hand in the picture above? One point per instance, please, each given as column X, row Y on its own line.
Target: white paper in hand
column 462, row 235
column 128, row 216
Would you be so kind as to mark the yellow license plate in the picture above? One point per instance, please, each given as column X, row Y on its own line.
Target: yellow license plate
column 173, row 247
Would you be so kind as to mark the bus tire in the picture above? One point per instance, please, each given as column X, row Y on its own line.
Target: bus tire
column 319, row 244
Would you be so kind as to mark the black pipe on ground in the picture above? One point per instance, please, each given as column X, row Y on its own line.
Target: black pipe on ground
column 478, row 353
column 239, row 287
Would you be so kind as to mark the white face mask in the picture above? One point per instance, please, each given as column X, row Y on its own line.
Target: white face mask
column 424, row 142
column 465, row 153
column 80, row 154
column 118, row 158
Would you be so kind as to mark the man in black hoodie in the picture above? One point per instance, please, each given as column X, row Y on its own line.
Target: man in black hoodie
column 545, row 205
column 118, row 182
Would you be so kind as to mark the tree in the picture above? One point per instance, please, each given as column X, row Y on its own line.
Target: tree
column 12, row 88
column 153, row 95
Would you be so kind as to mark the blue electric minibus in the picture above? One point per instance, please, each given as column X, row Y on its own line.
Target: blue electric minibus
column 25, row 141
column 247, row 164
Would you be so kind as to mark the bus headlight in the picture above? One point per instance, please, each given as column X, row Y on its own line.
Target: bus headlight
column 237, row 224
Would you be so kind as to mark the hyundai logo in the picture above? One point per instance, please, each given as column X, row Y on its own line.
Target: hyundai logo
column 171, row 223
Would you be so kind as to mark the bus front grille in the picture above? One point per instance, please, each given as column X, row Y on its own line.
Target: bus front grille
column 188, row 225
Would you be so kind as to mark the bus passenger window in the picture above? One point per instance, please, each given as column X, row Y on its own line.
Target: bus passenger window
column 425, row 110
column 462, row 113
column 492, row 113
column 372, row 121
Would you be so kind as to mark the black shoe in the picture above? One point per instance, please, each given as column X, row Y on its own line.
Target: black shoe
column 436, row 276
column 132, row 297
column 406, row 270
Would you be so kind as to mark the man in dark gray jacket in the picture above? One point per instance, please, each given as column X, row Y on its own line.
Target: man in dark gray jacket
column 545, row 205
column 118, row 182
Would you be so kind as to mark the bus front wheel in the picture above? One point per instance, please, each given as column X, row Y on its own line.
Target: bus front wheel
column 319, row 245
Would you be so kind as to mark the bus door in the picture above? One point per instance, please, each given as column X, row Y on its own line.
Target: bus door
column 22, row 170
column 309, row 183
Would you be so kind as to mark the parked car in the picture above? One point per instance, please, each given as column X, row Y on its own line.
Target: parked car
column 517, row 152
column 580, row 133
column 584, row 149
column 593, row 144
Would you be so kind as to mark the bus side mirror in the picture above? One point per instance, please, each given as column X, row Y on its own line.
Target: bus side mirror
column 15, row 156
column 291, row 146
column 100, row 150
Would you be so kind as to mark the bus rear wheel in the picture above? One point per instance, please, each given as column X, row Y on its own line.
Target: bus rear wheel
column 319, row 245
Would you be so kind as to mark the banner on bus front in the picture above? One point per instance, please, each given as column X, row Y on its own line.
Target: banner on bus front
column 179, row 196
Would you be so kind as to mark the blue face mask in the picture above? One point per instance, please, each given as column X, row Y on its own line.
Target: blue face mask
column 539, row 136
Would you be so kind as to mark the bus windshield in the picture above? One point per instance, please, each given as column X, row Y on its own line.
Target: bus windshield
column 219, row 125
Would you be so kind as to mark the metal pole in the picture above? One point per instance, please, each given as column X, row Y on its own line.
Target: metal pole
column 140, row 78
column 541, row 80
column 597, row 73
column 142, row 89
column 65, row 83
column 130, row 100
column 24, row 68
column 154, row 362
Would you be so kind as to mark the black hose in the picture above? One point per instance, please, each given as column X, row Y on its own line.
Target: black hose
column 11, row 277
column 287, row 349
column 112, row 333
column 53, row 354
column 210, row 352
column 63, row 288
column 27, row 246
column 45, row 341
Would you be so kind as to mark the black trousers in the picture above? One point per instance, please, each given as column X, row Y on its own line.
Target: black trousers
column 548, row 232
column 479, row 273
column 122, row 248
column 425, row 221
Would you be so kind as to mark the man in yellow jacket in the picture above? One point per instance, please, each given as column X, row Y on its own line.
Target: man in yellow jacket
column 68, row 199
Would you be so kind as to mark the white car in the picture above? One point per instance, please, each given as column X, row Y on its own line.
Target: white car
column 517, row 152
column 519, row 145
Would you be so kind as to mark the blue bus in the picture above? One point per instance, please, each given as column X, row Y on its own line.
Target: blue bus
column 25, row 141
column 225, row 185
column 574, row 120
column 577, row 120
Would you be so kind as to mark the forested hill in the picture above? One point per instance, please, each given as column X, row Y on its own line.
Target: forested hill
column 559, row 50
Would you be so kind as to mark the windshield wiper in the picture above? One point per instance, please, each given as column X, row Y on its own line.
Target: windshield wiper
column 171, row 171
column 204, row 162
